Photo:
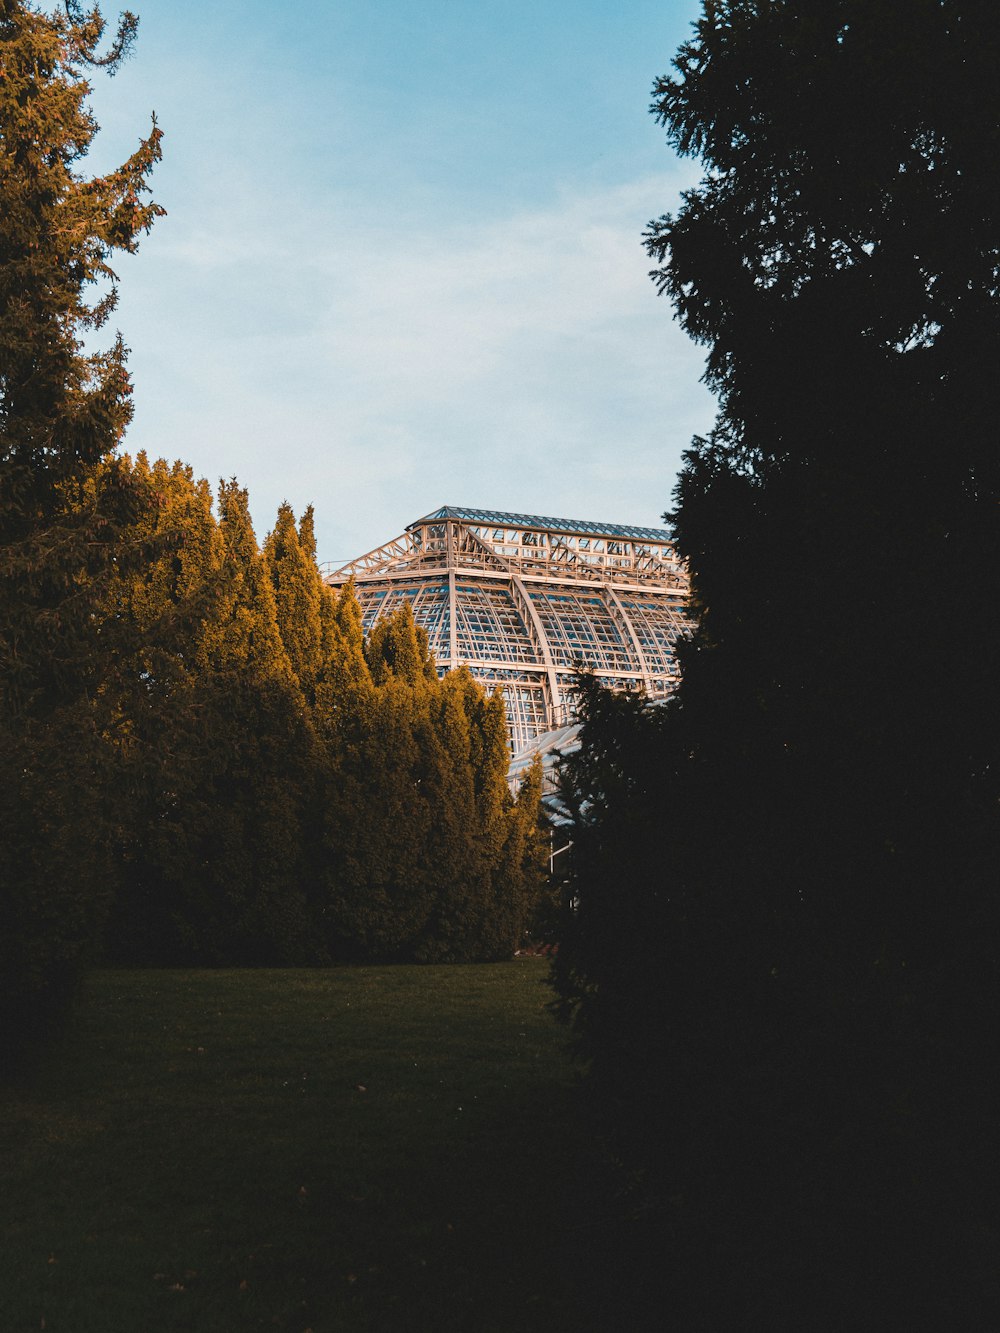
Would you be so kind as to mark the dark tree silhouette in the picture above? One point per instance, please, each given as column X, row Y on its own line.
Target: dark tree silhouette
column 64, row 503
column 784, row 958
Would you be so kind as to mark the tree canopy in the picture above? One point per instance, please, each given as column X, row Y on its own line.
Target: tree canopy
column 64, row 501
column 783, row 958
column 202, row 757
column 298, row 793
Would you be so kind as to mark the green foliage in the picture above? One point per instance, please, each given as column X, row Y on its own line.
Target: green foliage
column 298, row 593
column 64, row 501
column 423, row 840
column 393, row 860
column 526, row 864
column 454, row 925
column 782, row 953
column 190, row 727
column 280, row 813
column 397, row 647
column 221, row 755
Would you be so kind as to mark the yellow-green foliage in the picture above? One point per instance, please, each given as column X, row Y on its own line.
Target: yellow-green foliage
column 188, row 724
column 298, row 794
column 298, row 595
column 247, row 636
column 169, row 597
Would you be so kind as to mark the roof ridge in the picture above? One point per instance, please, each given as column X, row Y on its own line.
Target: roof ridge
column 542, row 521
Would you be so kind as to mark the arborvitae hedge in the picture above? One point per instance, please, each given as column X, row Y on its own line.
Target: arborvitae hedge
column 296, row 794
column 193, row 732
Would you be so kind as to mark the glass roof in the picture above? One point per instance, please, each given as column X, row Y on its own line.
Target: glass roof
column 542, row 523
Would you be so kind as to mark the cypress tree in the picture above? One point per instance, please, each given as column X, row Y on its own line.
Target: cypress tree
column 307, row 533
column 346, row 664
column 247, row 638
column 379, row 825
column 223, row 753
column 344, row 692
column 342, row 716
column 490, row 757
column 264, row 763
column 426, row 854
column 298, row 595
column 534, row 900
column 453, row 868
column 171, row 593
column 513, row 834
column 165, row 741
column 397, row 646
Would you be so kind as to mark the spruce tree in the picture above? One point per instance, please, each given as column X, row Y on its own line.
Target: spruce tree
column 64, row 503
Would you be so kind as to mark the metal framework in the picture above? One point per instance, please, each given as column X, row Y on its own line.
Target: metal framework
column 524, row 600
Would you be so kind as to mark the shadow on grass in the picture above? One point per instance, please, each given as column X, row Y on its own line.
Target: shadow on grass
column 526, row 1230
column 372, row 1150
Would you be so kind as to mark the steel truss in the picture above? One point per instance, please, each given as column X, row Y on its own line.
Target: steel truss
column 524, row 601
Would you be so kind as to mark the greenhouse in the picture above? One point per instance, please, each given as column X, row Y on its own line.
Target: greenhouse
column 525, row 600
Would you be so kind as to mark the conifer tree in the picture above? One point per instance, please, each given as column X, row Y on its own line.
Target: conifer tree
column 165, row 745
column 307, row 533
column 62, row 514
column 380, row 900
column 783, row 952
column 262, row 764
column 454, row 867
column 247, row 638
column 478, row 905
column 344, row 691
column 348, row 665
column 490, row 757
column 298, row 596
column 342, row 715
column 397, row 646
column 526, row 860
column 222, row 753
column 511, row 835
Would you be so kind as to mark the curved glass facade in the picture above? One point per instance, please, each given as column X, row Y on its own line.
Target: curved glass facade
column 524, row 600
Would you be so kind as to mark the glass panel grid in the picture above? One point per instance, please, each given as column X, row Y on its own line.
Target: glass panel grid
column 657, row 626
column 579, row 628
column 574, row 620
column 429, row 599
column 489, row 626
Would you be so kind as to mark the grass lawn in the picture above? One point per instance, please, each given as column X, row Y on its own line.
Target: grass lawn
column 386, row 1148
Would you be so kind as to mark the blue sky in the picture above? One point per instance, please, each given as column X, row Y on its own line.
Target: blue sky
column 402, row 262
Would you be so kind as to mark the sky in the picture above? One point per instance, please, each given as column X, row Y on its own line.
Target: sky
column 402, row 262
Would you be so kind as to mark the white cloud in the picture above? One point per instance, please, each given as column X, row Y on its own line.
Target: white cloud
column 523, row 362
